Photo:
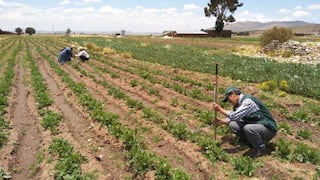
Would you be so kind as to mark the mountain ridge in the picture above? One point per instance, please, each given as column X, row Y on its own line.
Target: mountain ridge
column 295, row 26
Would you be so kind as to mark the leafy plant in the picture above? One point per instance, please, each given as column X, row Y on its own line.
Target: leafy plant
column 244, row 165
column 299, row 115
column 303, row 153
column 179, row 130
column 284, row 150
column 174, row 102
column 132, row 103
column 134, row 83
column 304, row 133
column 285, row 127
column 51, row 120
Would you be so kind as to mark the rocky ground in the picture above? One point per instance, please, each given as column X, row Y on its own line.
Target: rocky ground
column 290, row 51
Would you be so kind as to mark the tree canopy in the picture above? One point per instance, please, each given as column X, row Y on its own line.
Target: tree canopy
column 222, row 10
column 30, row 30
column 18, row 30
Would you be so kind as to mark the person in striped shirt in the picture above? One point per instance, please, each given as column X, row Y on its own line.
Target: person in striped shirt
column 250, row 120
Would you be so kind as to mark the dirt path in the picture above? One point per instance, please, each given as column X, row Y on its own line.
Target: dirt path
column 26, row 127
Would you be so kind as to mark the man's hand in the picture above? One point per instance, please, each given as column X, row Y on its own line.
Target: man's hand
column 216, row 106
column 223, row 121
column 219, row 109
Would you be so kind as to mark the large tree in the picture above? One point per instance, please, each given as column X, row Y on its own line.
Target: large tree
column 30, row 30
column 222, row 10
column 18, row 30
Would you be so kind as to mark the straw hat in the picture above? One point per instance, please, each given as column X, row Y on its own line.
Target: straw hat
column 81, row 48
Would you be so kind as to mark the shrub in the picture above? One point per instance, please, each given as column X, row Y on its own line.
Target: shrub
column 268, row 85
column 283, row 85
column 127, row 55
column 281, row 34
column 108, row 50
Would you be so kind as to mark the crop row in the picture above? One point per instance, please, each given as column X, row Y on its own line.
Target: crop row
column 140, row 160
column 183, row 128
column 178, row 129
column 302, row 79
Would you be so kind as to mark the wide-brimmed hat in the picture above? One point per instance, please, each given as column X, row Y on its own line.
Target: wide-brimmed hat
column 81, row 48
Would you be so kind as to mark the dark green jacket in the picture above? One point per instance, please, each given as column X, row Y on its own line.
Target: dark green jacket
column 262, row 116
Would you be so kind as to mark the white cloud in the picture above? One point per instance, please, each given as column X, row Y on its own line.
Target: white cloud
column 297, row 8
column 250, row 16
column 190, row 7
column 91, row 1
column 314, row 7
column 300, row 14
column 293, row 14
column 65, row 2
column 284, row 11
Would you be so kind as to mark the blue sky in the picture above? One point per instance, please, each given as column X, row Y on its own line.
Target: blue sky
column 143, row 15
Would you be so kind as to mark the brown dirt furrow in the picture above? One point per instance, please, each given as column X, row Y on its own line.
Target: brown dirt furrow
column 285, row 170
column 27, row 129
column 188, row 158
column 103, row 151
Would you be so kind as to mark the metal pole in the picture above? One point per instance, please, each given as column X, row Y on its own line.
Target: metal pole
column 215, row 100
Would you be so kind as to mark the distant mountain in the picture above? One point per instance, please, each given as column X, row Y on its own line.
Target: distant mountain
column 296, row 26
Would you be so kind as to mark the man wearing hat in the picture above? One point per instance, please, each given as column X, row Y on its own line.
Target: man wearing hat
column 250, row 120
column 83, row 54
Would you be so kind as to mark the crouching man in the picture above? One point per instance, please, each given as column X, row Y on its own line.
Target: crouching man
column 250, row 120
column 83, row 54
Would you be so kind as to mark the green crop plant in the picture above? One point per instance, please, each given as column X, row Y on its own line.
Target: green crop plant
column 210, row 148
column 205, row 116
column 304, row 133
column 300, row 115
column 153, row 91
column 284, row 149
column 69, row 162
column 134, row 83
column 117, row 93
column 179, row 130
column 196, row 93
column 245, row 165
column 285, row 127
column 174, row 102
column 51, row 120
column 132, row 103
column 4, row 133
column 304, row 153
column 152, row 115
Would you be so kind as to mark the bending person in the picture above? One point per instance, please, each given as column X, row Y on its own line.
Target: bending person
column 250, row 120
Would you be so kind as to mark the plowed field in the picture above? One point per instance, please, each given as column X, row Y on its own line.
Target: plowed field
column 129, row 119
